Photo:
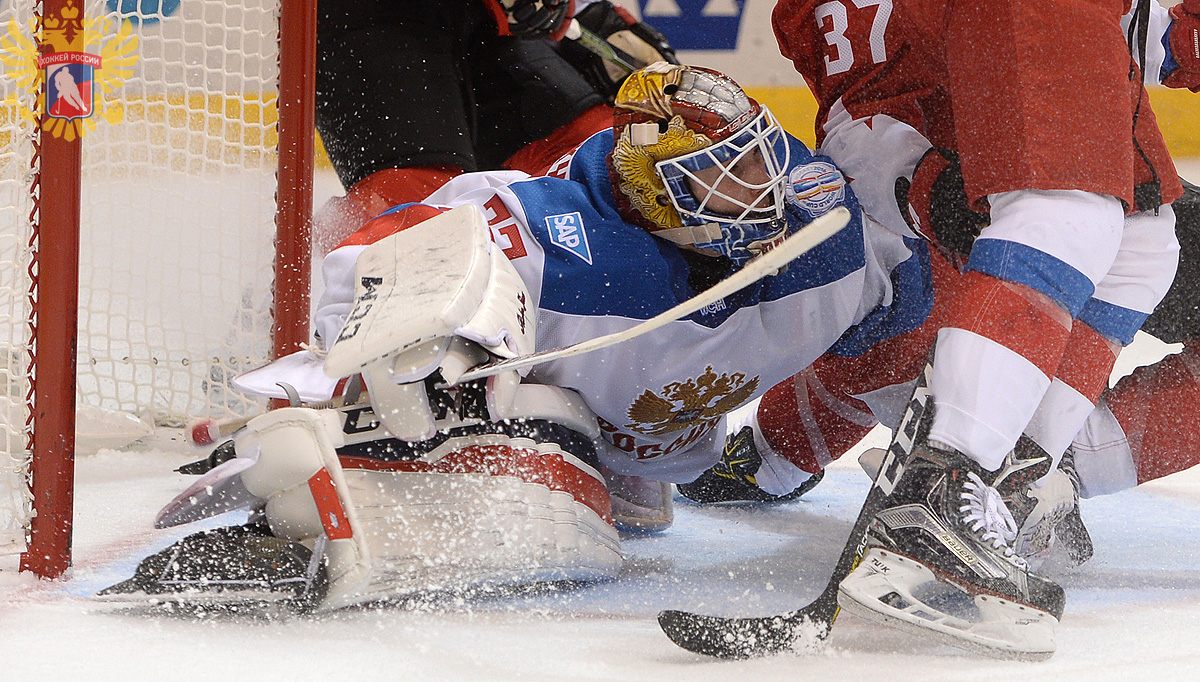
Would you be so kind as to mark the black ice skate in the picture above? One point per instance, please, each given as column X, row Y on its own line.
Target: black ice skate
column 1051, row 530
column 236, row 568
column 939, row 557
column 732, row 479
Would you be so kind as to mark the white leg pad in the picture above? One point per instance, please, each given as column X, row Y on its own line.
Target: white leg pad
column 491, row 509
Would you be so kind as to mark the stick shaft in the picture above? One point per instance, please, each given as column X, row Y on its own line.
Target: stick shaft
column 793, row 247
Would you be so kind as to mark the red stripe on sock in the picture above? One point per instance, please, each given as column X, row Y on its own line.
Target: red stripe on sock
column 894, row 361
column 1087, row 361
column 1014, row 316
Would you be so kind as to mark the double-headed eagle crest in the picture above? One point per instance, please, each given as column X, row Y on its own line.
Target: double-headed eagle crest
column 683, row 404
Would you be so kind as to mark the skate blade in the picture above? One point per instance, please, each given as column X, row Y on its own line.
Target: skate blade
column 894, row 590
column 244, row 600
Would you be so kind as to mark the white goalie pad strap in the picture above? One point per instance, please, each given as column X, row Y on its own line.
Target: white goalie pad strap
column 403, row 408
column 434, row 280
column 480, row 509
column 398, row 392
column 297, row 471
column 405, row 412
column 508, row 399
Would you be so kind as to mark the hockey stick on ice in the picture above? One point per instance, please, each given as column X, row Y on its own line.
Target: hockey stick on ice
column 768, row 263
column 746, row 637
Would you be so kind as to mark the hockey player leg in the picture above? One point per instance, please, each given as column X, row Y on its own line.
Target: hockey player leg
column 1134, row 436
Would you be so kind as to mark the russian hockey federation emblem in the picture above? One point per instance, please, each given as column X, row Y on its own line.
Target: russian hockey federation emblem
column 69, row 75
column 566, row 231
column 65, row 64
column 683, row 404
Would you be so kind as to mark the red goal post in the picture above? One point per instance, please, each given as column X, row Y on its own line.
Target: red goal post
column 153, row 248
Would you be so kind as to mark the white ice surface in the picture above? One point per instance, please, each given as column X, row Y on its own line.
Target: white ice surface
column 1133, row 612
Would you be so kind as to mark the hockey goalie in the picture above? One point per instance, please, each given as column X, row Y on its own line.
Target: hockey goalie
column 427, row 482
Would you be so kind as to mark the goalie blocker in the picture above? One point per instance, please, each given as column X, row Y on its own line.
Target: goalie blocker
column 427, row 487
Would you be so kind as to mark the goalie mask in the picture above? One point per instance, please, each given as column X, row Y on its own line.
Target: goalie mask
column 697, row 162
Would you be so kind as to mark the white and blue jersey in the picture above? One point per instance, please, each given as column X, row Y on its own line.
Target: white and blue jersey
column 660, row 397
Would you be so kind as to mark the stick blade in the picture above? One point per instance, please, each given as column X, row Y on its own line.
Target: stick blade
column 733, row 638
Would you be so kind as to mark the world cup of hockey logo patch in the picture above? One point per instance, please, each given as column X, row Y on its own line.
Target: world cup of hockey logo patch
column 567, row 232
column 815, row 187
column 682, row 404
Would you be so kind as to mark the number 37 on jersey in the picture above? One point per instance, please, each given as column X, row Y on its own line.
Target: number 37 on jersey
column 854, row 33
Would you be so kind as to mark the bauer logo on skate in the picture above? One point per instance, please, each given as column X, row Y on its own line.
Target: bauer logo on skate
column 566, row 231
column 815, row 188
column 58, row 67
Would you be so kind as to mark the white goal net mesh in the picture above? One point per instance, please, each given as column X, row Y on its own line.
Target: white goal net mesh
column 177, row 228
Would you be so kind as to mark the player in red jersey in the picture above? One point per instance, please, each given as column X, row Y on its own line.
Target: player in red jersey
column 1077, row 250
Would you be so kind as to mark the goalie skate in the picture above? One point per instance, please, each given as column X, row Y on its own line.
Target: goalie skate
column 235, row 568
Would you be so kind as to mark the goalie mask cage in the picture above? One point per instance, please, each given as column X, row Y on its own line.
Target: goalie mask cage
column 184, row 198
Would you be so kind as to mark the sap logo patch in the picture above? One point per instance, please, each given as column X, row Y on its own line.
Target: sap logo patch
column 566, row 230
column 816, row 187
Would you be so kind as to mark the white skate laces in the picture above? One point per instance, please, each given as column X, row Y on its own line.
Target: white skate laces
column 985, row 513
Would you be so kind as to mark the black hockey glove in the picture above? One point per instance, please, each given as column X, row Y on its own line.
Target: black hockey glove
column 535, row 18
column 622, row 30
column 1177, row 317
column 934, row 203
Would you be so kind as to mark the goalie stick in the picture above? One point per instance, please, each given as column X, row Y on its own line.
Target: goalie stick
column 804, row 240
column 747, row 637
